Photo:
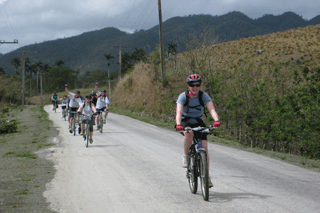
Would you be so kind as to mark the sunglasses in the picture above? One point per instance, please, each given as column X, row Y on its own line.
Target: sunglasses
column 194, row 85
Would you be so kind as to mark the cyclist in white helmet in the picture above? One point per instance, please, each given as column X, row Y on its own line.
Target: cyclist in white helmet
column 102, row 105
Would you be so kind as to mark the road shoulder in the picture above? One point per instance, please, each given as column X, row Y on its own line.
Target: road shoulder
column 24, row 170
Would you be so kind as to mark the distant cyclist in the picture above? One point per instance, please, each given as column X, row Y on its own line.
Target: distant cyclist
column 64, row 102
column 190, row 105
column 54, row 98
column 87, row 108
column 94, row 99
column 102, row 105
column 75, row 101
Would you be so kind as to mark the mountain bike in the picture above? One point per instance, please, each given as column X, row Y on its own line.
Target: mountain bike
column 55, row 105
column 198, row 165
column 101, row 117
column 86, row 135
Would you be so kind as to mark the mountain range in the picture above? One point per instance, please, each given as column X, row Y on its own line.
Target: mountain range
column 84, row 52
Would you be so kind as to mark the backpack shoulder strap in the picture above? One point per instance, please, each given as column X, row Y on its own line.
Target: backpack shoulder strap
column 200, row 98
column 187, row 100
column 202, row 103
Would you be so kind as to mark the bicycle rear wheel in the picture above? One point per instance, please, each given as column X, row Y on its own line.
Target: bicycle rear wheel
column 87, row 135
column 192, row 176
column 204, row 175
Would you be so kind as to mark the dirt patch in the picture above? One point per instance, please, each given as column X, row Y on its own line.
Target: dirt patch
column 24, row 171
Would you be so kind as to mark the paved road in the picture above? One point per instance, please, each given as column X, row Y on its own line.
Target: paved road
column 135, row 167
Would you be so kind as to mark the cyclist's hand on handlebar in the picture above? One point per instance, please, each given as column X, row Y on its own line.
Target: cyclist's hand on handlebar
column 216, row 124
column 179, row 128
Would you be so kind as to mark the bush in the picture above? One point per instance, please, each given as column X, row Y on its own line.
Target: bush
column 8, row 127
column 5, row 110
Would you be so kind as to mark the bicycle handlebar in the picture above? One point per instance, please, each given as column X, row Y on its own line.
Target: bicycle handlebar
column 199, row 129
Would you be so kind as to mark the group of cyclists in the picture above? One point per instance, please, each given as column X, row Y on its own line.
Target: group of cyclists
column 94, row 103
column 189, row 111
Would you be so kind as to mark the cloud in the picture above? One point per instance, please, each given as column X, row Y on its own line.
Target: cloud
column 33, row 21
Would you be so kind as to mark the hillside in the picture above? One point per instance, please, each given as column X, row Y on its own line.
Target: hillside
column 85, row 52
column 266, row 89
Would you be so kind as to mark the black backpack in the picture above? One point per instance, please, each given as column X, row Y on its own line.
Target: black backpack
column 200, row 100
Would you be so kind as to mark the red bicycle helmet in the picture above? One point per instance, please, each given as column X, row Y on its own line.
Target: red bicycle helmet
column 194, row 78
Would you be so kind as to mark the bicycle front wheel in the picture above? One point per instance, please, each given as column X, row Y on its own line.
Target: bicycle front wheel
column 74, row 126
column 192, row 176
column 204, row 175
column 87, row 135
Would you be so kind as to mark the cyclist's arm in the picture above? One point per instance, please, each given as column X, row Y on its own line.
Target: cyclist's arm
column 66, row 88
column 179, row 110
column 212, row 111
column 80, row 108
column 93, row 108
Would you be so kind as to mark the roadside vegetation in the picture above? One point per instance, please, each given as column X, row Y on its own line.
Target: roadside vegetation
column 265, row 88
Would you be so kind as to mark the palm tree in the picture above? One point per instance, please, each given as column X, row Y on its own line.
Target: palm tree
column 58, row 63
column 39, row 65
column 109, row 58
column 172, row 48
column 32, row 70
column 46, row 68
column 16, row 62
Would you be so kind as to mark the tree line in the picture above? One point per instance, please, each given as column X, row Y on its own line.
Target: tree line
column 55, row 76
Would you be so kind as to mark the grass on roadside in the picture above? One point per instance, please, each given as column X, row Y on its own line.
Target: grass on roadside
column 290, row 158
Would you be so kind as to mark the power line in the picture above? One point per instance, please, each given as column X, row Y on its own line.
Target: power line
column 9, row 22
column 142, row 14
column 149, row 15
column 129, row 13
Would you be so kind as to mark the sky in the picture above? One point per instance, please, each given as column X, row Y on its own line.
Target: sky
column 36, row 21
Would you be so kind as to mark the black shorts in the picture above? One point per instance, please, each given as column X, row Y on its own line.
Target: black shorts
column 101, row 110
column 63, row 107
column 72, row 110
column 185, row 123
column 91, row 123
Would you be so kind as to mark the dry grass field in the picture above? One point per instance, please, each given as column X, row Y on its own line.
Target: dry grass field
column 260, row 55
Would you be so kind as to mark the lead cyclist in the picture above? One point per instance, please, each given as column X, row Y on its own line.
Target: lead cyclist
column 191, row 115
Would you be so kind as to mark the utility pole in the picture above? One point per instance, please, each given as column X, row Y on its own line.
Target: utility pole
column 41, row 87
column 109, row 85
column 120, row 47
column 14, row 42
column 23, row 74
column 163, row 70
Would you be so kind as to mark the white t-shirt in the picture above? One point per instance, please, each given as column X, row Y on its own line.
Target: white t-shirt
column 74, row 102
column 101, row 102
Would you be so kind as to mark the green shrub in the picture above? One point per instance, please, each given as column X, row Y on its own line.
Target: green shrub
column 5, row 110
column 9, row 126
